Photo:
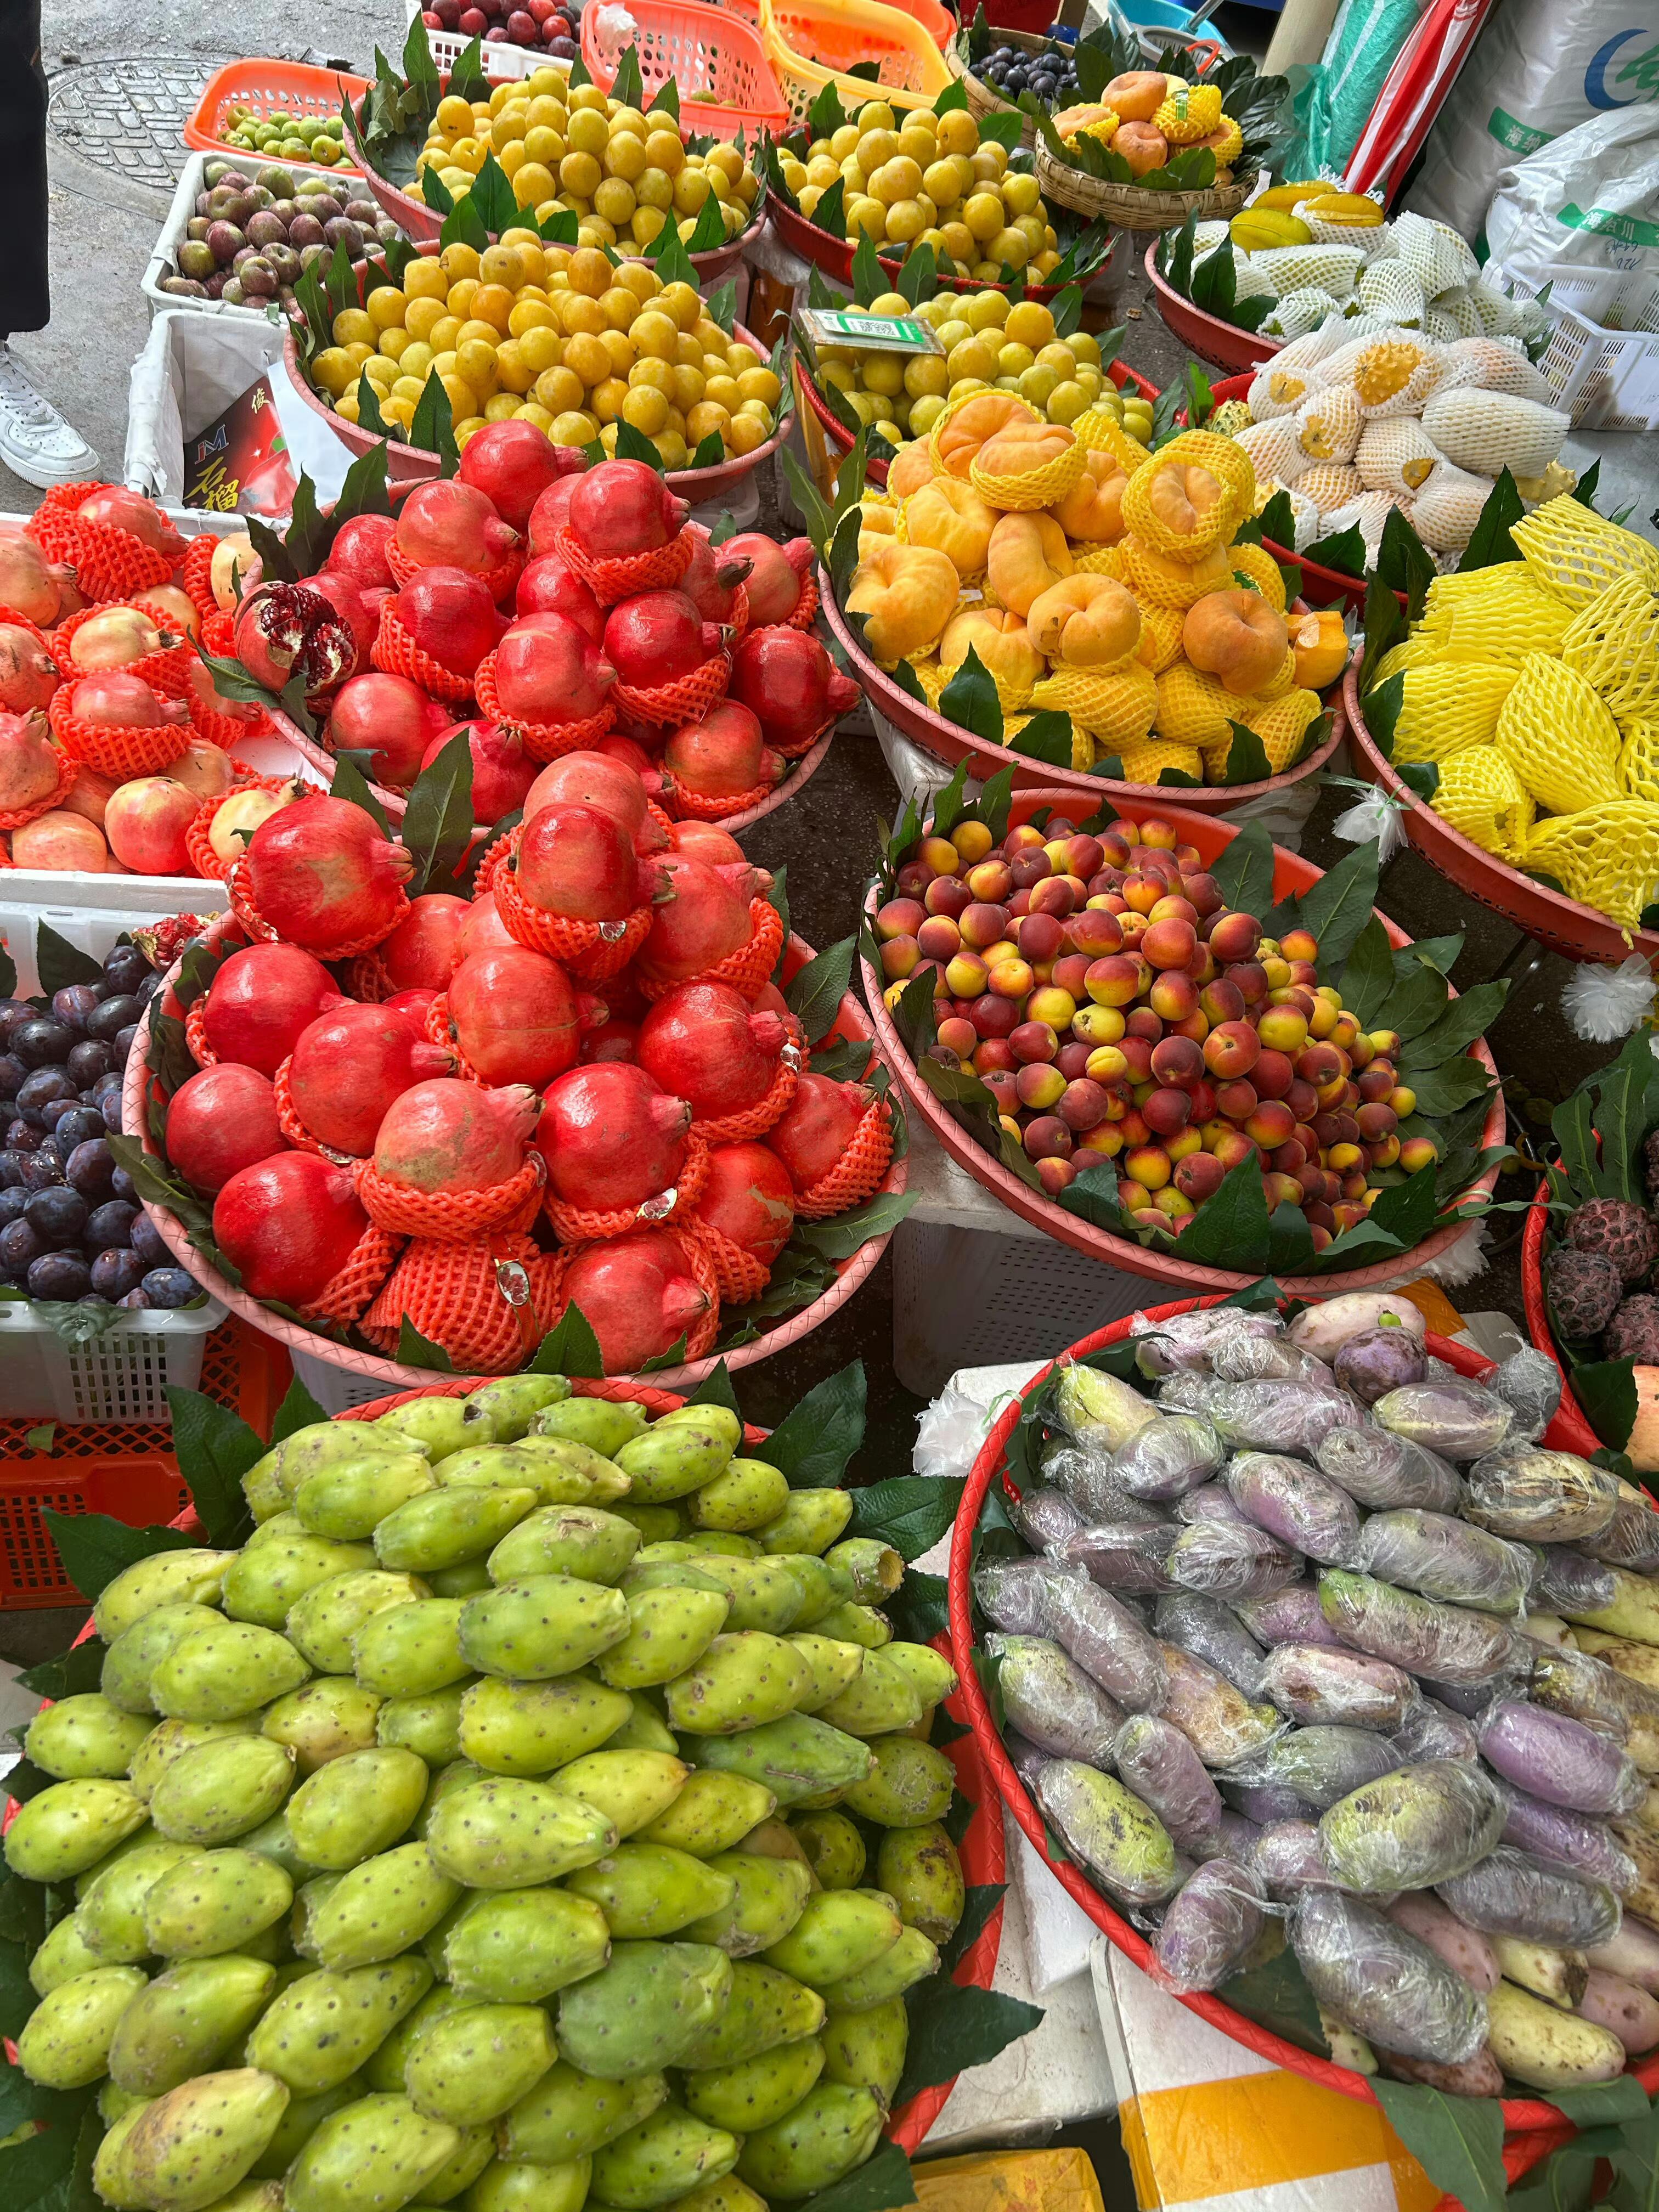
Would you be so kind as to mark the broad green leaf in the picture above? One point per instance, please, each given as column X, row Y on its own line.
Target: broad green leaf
column 1406, row 1210
column 971, row 700
column 1231, row 1229
column 214, row 1449
column 813, row 1443
column 910, row 1512
column 838, row 1239
column 414, row 1349
column 1606, row 1388
column 884, row 2184
column 953, row 2028
column 1339, row 906
column 716, row 1389
column 437, row 823
column 1368, row 974
column 95, row 1549
column 815, row 994
column 1490, row 543
column 1465, row 1019
column 348, row 782
column 1276, row 1996
column 570, row 1348
column 299, row 1410
column 1457, row 2141
column 1245, row 872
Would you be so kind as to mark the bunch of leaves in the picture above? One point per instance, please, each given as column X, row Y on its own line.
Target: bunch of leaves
column 388, row 126
column 326, row 289
column 1261, row 106
column 299, row 551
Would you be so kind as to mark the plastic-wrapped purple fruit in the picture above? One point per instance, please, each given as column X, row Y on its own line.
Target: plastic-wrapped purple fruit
column 1291, row 1615
column 1288, row 1858
column 1291, row 1501
column 1559, row 1759
column 1230, row 1560
column 1314, row 1685
column 1630, row 1539
column 1541, row 1497
column 149, row 1244
column 1209, row 1925
column 1379, row 1360
column 1045, row 1516
column 169, row 1287
column 1573, row 1843
column 1124, row 1556
column 1169, row 1457
column 1412, row 1828
column 1211, row 1631
column 1445, row 1559
column 1321, row 1764
column 1384, row 1982
column 1052, row 1702
column 1459, row 1419
column 1507, row 1893
column 1160, row 1766
column 115, row 1272
column 1445, row 1643
column 59, row 1278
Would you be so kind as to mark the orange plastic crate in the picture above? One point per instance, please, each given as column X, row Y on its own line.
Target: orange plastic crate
column 127, row 1471
column 725, row 82
column 264, row 86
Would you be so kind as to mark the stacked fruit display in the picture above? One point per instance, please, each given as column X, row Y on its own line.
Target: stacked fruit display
column 1145, row 118
column 1335, row 1711
column 367, row 1812
column 279, row 137
column 251, row 239
column 549, row 23
column 116, row 751
column 1112, row 588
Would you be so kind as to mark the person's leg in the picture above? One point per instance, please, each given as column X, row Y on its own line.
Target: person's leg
column 36, row 443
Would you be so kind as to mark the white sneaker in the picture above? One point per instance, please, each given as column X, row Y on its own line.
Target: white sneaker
column 36, row 443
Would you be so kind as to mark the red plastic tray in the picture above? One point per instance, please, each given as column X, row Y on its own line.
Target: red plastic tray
column 1210, row 338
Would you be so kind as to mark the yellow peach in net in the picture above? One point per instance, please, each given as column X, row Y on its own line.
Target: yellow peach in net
column 1092, row 512
column 1175, row 508
column 1237, row 637
column 1086, row 621
column 963, row 430
column 951, row 516
column 1005, row 649
column 1028, row 553
column 908, row 593
column 1028, row 462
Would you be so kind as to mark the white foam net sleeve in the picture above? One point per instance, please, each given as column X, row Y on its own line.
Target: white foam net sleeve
column 1448, row 507
column 1489, row 431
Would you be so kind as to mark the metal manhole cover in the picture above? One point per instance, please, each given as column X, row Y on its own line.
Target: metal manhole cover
column 127, row 113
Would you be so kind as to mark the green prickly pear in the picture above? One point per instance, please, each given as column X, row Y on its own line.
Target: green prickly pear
column 63, row 1954
column 110, row 1917
column 70, row 1826
column 657, row 2161
column 811, row 1521
column 746, row 1494
column 475, row 2151
column 84, row 1739
column 720, row 1419
column 463, row 1581
column 226, row 1672
column 767, row 1897
column 866, row 2050
column 214, row 1901
column 519, row 1946
column 669, row 1630
column 756, row 2091
column 383, row 2069
column 530, row 1728
column 503, row 2188
column 501, row 1413
column 559, row 1471
column 644, row 1730
column 931, row 1671
column 377, row 1910
column 630, row 1787
column 855, row 1624
column 566, row 1540
column 880, row 1699
column 795, row 1758
column 839, row 1932
column 603, row 1424
column 741, row 1681
column 921, row 1871
column 645, row 2009
column 261, row 1486
column 832, row 2130
column 376, row 2152
column 356, row 1806
column 823, row 1586
column 194, row 1576
column 270, row 1576
column 726, row 2195
column 765, row 2009
column 324, row 1622
column 657, row 1524
column 219, row 1790
column 569, row 2115
column 876, row 1568
column 453, row 1775
column 324, row 2025
column 185, row 2151
column 271, row 1840
column 723, row 1542
column 764, row 1593
column 444, row 1528
column 910, row 1960
column 649, row 1890
column 909, row 1785
column 711, row 1812
column 436, row 1425
column 835, row 1849
column 299, row 2122
column 134, row 1656
column 476, row 2061
column 65, row 2041
column 410, row 1650
column 672, row 1460
column 430, row 1726
column 325, row 1719
column 185, row 2021
column 348, row 1501
column 543, row 1627
column 170, row 1740
column 507, row 1834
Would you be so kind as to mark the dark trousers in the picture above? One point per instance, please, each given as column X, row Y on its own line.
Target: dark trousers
column 25, row 297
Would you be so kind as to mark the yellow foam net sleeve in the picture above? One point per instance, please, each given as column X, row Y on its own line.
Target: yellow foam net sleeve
column 1418, row 650
column 1576, row 553
column 1254, row 566
column 1613, row 644
column 1028, row 489
column 1638, row 759
column 1281, row 724
column 1101, row 433
column 1607, row 856
column 1160, row 638
column 1145, row 759
column 1481, row 795
column 1224, row 458
column 1193, row 708
column 1164, row 582
column 1009, row 2181
column 1557, row 735
column 1116, row 710
column 1449, row 706
column 1514, row 617
column 1103, row 561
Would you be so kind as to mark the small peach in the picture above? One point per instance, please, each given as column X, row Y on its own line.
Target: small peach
column 1417, row 1153
column 1403, row 1099
column 1039, row 1086
column 899, row 956
column 1149, row 1165
column 1273, row 1074
column 945, row 895
column 1173, row 997
column 1105, row 1139
column 900, row 918
column 1169, row 943
column 1010, row 979
column 982, row 924
column 1057, row 1008
column 965, row 975
column 990, row 882
column 1053, row 1173
column 1299, row 944
column 1199, row 1176
column 940, row 854
column 1048, row 1138
column 1281, row 1190
column 1115, row 979
column 1271, row 1124
column 939, row 938
column 973, row 841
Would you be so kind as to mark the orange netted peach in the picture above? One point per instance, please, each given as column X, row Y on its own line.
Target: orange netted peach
column 951, row 516
column 1237, row 636
column 958, row 434
column 1086, row 622
column 1141, row 147
column 1321, row 648
column 1178, row 507
column 1024, row 444
column 1138, row 94
column 1070, row 120
column 907, row 592
column 1092, row 511
column 876, row 519
column 1006, row 652
column 1028, row 553
column 910, row 468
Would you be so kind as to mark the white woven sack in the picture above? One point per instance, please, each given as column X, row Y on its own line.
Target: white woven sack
column 1489, row 431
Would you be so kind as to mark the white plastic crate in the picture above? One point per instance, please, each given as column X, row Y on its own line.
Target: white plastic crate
column 122, row 1376
column 1607, row 379
column 161, row 261
column 336, row 1389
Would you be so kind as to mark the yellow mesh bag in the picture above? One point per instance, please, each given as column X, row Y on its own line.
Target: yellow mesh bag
column 1638, row 759
column 1576, row 554
column 1328, row 425
column 1557, row 735
column 1232, row 143
column 1606, row 856
column 1507, row 621
column 1143, row 760
column 1160, row 638
column 1253, row 566
column 1277, row 686
column 1613, row 644
column 1445, row 707
column 1100, row 561
column 1480, row 794
column 1152, row 526
column 1280, row 723
column 935, row 436
column 1193, row 708
column 1117, row 710
column 1023, row 493
column 1101, row 433
column 1224, row 458
column 932, row 679
column 1162, row 582
column 1190, row 114
column 1329, row 484
column 1421, row 651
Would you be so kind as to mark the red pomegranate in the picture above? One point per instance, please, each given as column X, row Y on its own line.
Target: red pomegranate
column 389, row 718
column 749, row 1198
column 321, row 874
column 129, row 510
column 633, row 754
column 786, row 679
column 502, row 772
column 30, row 764
column 424, row 951
column 818, row 1127
column 711, row 582
column 450, row 524
column 575, row 861
column 706, row 841
column 516, row 1017
column 657, row 638
column 219, row 1122
column 705, row 1044
column 611, row 1040
column 549, row 514
column 451, row 616
column 453, row 1136
column 359, row 550
column 549, row 670
column 284, row 630
column 482, row 931
column 115, row 700
column 596, row 780
column 611, row 1136
column 637, row 1295
column 261, row 1000
column 115, row 637
column 704, row 917
column 513, row 463
column 723, row 756
column 210, row 700
column 349, row 1065
column 623, row 508
column 777, row 572
column 548, row 587
column 42, row 591
column 357, row 604
column 287, row 1225
column 416, row 1001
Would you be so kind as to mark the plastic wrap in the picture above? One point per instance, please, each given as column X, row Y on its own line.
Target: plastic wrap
column 1471, row 1699
column 1509, row 1893
column 1230, row 1559
column 1183, row 1342
column 1466, row 1952
column 1559, row 1759
column 1441, row 1558
column 1572, row 1842
column 1569, row 1582
column 1433, row 1730
column 1529, row 1384
column 1587, row 1689
column 1188, row 1390
column 1383, row 1982
column 1321, row 1764
column 1316, row 1686
column 1099, row 1407
column 1087, row 1476
column 1540, row 1497
column 1211, row 1501
column 1052, row 1702
column 1236, row 1837
column 1280, row 1417
column 1412, row 1827
column 1169, row 1458
column 1108, row 1642
column 1264, row 1803
column 1288, row 1858
column 1630, row 1539
column 1457, row 1419
column 1213, row 1632
column 1378, row 1360
column 1107, row 1827
column 1263, row 1359
column 1291, row 1615
column 1016, row 1594
column 1045, row 1516
column 1324, row 1328
column 1222, row 1725
column 1160, row 1766
column 1381, row 1470
column 1443, row 1643
column 1208, row 1925
column 1122, row 1556
column 1294, row 1503
column 1027, row 1759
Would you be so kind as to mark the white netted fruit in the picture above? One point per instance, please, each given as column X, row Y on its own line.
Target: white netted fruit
column 1390, row 289
column 1206, row 236
column 1489, row 431
column 1275, row 448
column 1395, row 374
column 1276, row 390
column 1310, row 350
column 1298, row 312
column 1330, row 268
column 1496, row 365
column 1327, row 424
column 1306, row 517
column 1250, row 281
column 1448, row 507
column 1440, row 326
column 1496, row 310
column 1329, row 484
column 1395, row 454
column 1457, row 308
column 1368, row 513
column 1433, row 253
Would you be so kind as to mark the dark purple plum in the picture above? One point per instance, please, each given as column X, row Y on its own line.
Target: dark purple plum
column 24, row 1136
column 73, row 1003
column 14, row 1012
column 12, row 1073
column 60, row 1277
column 58, row 1214
column 90, row 1169
column 112, row 1112
column 12, row 1202
column 146, row 990
column 44, row 1043
column 44, row 1083
column 115, row 1015
column 121, row 1185
column 124, row 1041
column 114, row 1273
column 89, row 1060
column 20, row 1245
column 81, row 1125
column 11, row 1170
column 109, row 1227
column 149, row 1244
column 169, row 1287
column 125, row 969
column 135, row 1301
column 57, row 1111
column 41, row 1171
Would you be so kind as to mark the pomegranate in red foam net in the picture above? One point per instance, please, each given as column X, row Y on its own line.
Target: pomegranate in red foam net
column 705, row 1044
column 638, row 1296
column 322, row 874
column 450, row 1136
column 611, row 1136
column 350, row 1064
column 287, row 1225
column 517, row 1017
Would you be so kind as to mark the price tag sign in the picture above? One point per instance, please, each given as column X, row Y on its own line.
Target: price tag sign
column 839, row 327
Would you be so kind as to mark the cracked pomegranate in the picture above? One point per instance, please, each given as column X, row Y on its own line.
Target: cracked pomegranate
column 285, row 630
column 611, row 1136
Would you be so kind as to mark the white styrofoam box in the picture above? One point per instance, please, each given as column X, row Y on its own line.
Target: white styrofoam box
column 1059, row 1933
column 161, row 261
column 122, row 1376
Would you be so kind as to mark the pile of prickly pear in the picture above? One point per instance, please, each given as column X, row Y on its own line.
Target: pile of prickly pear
column 535, row 1810
column 1319, row 1641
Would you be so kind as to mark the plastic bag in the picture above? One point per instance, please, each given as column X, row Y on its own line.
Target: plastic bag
column 1433, row 1730
column 1444, row 1559
column 1569, row 1582
column 1466, row 1952
column 1559, row 1759
column 1321, row 1764
column 1016, row 1593
column 1510, row 1894
column 1158, row 1762
column 1454, row 1418
column 1288, row 1858
column 1381, row 1470
column 1316, row 1686
column 1169, row 1458
column 1230, row 1560
column 1109, row 1828
column 1585, row 1689
column 1211, row 1501
column 1213, row 1632
column 1383, row 1982
column 1291, row 1615
column 1052, row 1702
column 1264, row 1802
column 1574, row 1843
column 1183, row 1342
column 1280, row 1416
column 1412, row 1827
column 1529, row 1384
column 1122, row 1557
column 1208, row 1925
column 1443, row 1643
column 1045, row 1516
column 1222, row 1725
column 1293, row 1501
column 1540, row 1497
column 1630, row 1539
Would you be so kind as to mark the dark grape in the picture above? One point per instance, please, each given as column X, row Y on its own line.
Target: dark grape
column 43, row 1042
column 169, row 1287
column 44, row 1083
column 126, row 968
column 116, row 1273
column 90, row 1169
column 109, row 1227
column 116, row 1014
column 149, row 1244
column 89, row 1060
column 121, row 1187
column 112, row 1112
column 59, row 1214
column 62, row 1276
column 19, row 1244
column 73, row 1003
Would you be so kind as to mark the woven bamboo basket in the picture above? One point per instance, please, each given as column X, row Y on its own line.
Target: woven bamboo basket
column 984, row 100
column 1131, row 207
